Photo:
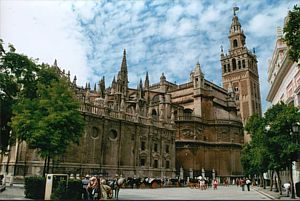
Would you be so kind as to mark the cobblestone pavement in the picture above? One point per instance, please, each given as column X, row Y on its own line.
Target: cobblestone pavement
column 274, row 195
column 13, row 193
column 223, row 193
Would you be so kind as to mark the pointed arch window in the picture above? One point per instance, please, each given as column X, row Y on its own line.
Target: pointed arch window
column 225, row 69
column 235, row 43
column 233, row 64
column 239, row 64
column 228, row 67
column 243, row 63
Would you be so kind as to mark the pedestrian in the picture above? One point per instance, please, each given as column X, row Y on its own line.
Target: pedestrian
column 287, row 187
column 215, row 184
column 93, row 189
column 248, row 183
column 237, row 182
column 242, row 184
column 85, row 181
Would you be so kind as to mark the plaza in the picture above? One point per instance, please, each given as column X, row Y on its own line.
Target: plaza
column 222, row 193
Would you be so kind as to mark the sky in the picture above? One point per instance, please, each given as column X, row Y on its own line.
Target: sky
column 88, row 37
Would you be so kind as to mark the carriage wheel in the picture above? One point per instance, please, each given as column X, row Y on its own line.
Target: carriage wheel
column 154, row 184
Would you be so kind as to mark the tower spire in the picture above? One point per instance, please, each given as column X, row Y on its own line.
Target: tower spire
column 122, row 79
column 146, row 84
column 124, row 62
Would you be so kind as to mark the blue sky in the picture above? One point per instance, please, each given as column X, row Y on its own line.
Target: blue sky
column 88, row 37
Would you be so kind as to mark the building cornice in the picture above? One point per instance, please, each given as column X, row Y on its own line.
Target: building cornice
column 285, row 67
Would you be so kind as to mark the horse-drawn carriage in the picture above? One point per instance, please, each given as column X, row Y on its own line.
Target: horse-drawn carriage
column 99, row 188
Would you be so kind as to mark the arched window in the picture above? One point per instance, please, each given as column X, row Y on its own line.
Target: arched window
column 243, row 62
column 233, row 64
column 228, row 67
column 225, row 70
column 154, row 114
column 235, row 43
column 239, row 64
column 175, row 114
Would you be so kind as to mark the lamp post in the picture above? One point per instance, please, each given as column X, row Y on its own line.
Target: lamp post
column 294, row 135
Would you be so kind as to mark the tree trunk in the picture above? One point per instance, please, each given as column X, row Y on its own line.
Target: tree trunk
column 263, row 181
column 279, row 183
column 45, row 163
column 276, row 182
column 292, row 181
column 48, row 164
column 272, row 182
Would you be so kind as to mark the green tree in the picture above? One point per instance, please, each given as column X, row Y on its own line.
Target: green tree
column 17, row 78
column 254, row 156
column 283, row 143
column 292, row 33
column 51, row 121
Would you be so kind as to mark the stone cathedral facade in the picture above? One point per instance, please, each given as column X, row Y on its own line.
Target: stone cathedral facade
column 154, row 130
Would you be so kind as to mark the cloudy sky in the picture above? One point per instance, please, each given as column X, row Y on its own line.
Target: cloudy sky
column 88, row 37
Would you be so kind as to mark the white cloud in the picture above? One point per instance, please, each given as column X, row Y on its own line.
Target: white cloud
column 88, row 37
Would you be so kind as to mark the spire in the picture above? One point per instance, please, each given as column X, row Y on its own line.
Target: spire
column 236, row 35
column 197, row 69
column 146, row 84
column 68, row 74
column 55, row 63
column 124, row 63
column 122, row 79
column 141, row 84
column 74, row 80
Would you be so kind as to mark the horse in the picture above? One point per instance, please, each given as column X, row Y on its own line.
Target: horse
column 193, row 183
column 116, row 184
column 133, row 182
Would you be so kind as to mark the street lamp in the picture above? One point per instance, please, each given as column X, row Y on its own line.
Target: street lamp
column 295, row 132
column 295, row 129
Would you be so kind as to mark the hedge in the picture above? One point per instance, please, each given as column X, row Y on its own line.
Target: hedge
column 72, row 192
column 35, row 187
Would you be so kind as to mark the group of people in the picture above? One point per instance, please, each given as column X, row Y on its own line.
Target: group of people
column 242, row 182
column 95, row 188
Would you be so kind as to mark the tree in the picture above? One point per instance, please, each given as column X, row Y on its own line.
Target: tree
column 254, row 156
column 51, row 121
column 17, row 78
column 292, row 33
column 283, row 144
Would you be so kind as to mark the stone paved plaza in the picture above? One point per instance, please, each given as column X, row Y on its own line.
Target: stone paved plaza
column 223, row 193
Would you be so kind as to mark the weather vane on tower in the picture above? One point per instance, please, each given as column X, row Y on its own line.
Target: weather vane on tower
column 235, row 9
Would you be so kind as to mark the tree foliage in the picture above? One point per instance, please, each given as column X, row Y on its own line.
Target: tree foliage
column 17, row 78
column 254, row 155
column 274, row 148
column 38, row 104
column 292, row 33
column 51, row 121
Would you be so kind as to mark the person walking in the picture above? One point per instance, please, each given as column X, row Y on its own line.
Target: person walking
column 85, row 181
column 248, row 183
column 215, row 184
column 237, row 181
column 242, row 184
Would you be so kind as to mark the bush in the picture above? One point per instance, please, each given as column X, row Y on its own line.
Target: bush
column 35, row 187
column 72, row 192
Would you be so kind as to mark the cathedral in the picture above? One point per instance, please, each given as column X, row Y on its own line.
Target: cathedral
column 162, row 129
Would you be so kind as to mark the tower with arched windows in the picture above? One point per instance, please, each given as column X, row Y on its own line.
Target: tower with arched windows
column 240, row 73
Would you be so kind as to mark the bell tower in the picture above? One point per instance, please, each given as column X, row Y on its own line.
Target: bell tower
column 239, row 70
